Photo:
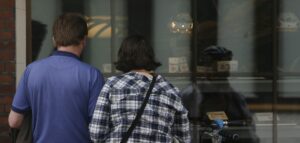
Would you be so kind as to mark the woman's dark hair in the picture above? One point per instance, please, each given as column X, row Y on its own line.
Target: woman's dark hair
column 136, row 53
column 69, row 29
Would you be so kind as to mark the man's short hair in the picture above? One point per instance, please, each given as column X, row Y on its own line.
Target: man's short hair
column 69, row 29
column 136, row 53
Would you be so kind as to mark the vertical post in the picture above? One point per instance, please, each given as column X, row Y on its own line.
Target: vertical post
column 275, row 69
column 194, row 42
column 28, row 33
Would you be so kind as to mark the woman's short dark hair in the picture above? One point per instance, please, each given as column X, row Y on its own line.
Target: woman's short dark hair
column 136, row 53
column 69, row 29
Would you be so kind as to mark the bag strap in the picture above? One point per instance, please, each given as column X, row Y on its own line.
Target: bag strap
column 140, row 112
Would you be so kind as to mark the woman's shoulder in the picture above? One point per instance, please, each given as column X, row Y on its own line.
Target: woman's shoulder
column 119, row 80
column 163, row 85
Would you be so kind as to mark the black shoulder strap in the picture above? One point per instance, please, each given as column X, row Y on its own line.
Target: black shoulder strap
column 140, row 112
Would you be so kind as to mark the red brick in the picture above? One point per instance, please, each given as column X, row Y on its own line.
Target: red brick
column 7, row 108
column 6, row 79
column 6, row 14
column 7, row 64
column 10, row 44
column 4, row 126
column 11, row 3
column 7, row 54
column 3, row 120
column 10, row 25
column 2, row 67
column 2, row 25
column 7, row 89
column 9, row 67
column 7, row 3
column 2, row 108
column 3, row 44
column 6, row 35
column 4, row 129
column 6, row 100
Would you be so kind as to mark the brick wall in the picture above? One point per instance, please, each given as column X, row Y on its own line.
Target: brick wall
column 7, row 63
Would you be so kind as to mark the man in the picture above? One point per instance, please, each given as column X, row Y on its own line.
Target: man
column 60, row 90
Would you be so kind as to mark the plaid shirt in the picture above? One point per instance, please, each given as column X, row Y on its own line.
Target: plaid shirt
column 163, row 119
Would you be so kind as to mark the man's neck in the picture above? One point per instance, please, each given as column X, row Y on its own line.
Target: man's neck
column 76, row 50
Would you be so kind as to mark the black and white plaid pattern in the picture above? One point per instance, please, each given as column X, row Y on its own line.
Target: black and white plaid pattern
column 164, row 117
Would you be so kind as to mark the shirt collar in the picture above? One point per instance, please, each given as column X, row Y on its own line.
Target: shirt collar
column 63, row 53
column 140, row 76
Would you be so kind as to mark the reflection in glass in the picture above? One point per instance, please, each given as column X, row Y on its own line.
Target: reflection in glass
column 182, row 32
column 212, row 95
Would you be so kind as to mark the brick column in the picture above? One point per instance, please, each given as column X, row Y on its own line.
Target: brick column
column 7, row 63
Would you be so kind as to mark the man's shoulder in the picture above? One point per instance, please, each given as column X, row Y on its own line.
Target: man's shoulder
column 37, row 63
column 48, row 62
column 88, row 66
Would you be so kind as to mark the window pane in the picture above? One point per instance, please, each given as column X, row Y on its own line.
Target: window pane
column 100, row 16
column 289, row 68
column 223, row 55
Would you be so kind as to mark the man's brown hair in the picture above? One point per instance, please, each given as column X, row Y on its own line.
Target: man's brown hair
column 69, row 29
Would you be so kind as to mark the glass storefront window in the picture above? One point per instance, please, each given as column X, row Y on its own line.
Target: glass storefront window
column 240, row 57
column 288, row 69
column 100, row 17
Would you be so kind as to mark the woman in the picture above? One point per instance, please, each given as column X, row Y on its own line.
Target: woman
column 164, row 118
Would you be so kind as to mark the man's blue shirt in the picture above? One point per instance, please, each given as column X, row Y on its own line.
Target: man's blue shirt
column 61, row 91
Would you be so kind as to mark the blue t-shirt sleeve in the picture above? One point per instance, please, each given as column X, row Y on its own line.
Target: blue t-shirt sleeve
column 95, row 89
column 20, row 102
